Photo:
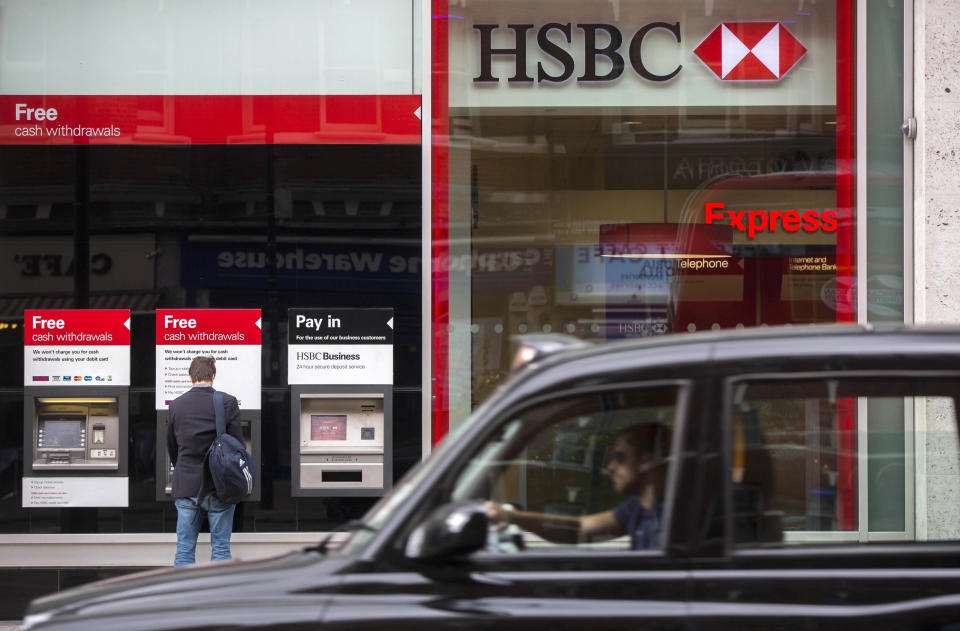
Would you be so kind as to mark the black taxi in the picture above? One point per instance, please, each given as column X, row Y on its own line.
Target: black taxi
column 781, row 478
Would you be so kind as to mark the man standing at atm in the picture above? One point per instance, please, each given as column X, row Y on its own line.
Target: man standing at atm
column 191, row 429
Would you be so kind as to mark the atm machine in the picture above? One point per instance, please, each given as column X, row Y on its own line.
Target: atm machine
column 72, row 432
column 76, row 434
column 341, row 440
column 76, row 384
column 249, row 425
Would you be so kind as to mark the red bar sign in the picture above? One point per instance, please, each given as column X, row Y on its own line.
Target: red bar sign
column 209, row 119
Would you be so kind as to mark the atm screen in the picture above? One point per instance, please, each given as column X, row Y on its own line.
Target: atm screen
column 328, row 427
column 63, row 433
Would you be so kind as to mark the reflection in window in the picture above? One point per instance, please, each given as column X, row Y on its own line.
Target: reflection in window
column 811, row 457
column 594, row 225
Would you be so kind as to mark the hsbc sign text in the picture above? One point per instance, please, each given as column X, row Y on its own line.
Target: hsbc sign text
column 591, row 52
column 737, row 51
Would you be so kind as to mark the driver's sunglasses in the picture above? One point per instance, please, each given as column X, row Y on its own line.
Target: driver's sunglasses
column 615, row 457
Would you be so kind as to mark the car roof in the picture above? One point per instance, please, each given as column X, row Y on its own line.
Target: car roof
column 758, row 345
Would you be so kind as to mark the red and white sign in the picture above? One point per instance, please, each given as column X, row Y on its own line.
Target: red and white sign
column 750, row 51
column 81, row 347
column 231, row 336
column 210, row 119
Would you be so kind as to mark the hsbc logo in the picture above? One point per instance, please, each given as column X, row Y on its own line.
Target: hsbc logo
column 750, row 51
column 733, row 51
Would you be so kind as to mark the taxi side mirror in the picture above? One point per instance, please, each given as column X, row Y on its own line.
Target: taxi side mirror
column 451, row 530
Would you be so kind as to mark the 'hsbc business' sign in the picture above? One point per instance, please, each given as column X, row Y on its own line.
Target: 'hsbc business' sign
column 733, row 51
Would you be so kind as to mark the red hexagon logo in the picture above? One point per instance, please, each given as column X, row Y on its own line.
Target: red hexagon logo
column 750, row 51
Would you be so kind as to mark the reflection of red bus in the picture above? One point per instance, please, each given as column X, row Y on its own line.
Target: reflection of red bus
column 721, row 276
column 779, row 276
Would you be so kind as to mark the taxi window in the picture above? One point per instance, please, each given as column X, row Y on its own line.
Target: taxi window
column 831, row 460
column 582, row 472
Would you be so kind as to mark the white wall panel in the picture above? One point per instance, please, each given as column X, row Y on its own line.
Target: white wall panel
column 206, row 47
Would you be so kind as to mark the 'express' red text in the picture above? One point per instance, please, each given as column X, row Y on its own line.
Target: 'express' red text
column 754, row 221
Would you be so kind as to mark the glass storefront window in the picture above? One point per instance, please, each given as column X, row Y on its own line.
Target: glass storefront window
column 643, row 168
column 610, row 170
column 190, row 227
column 185, row 160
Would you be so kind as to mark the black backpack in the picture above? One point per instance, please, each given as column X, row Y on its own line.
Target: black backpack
column 232, row 471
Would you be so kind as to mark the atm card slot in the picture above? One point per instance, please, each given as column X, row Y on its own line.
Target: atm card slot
column 359, row 450
column 76, row 465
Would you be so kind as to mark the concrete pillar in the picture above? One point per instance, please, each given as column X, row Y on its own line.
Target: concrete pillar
column 937, row 241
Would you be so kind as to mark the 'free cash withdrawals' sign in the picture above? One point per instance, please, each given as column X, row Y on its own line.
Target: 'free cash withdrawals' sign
column 77, row 347
column 231, row 336
column 340, row 346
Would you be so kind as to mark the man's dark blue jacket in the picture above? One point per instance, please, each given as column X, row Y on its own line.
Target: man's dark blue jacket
column 191, row 429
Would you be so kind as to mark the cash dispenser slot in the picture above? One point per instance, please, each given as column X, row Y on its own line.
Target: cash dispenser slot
column 341, row 476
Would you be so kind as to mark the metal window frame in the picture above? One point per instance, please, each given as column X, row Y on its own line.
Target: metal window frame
column 913, row 450
column 862, row 534
column 426, row 227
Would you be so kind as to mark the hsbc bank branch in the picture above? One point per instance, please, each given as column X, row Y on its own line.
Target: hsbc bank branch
column 483, row 168
column 628, row 169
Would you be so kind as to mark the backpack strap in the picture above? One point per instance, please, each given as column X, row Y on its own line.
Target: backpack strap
column 220, row 411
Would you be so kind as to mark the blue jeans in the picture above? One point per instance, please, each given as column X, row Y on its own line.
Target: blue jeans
column 189, row 518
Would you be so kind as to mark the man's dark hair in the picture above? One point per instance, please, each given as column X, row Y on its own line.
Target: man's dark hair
column 649, row 437
column 202, row 369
